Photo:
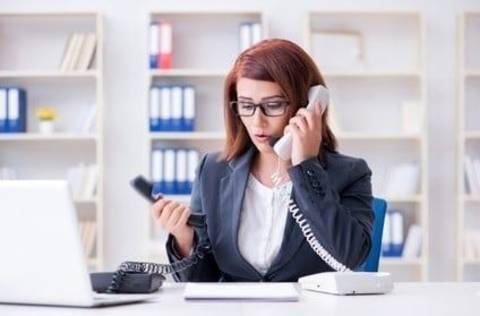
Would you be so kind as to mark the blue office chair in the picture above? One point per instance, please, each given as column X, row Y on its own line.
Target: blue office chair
column 371, row 262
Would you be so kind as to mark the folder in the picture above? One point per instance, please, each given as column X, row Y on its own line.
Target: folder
column 157, row 164
column 188, row 108
column 16, row 110
column 245, row 36
column 169, row 171
column 176, row 108
column 165, row 55
column 192, row 162
column 181, row 172
column 397, row 234
column 165, row 108
column 386, row 237
column 154, row 45
column 3, row 110
column 155, row 109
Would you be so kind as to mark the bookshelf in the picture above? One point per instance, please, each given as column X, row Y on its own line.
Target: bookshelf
column 214, row 37
column 365, row 79
column 33, row 46
column 468, row 142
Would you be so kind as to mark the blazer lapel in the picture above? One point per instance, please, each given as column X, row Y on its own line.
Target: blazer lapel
column 292, row 236
column 235, row 185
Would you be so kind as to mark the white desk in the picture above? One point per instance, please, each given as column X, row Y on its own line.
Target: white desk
column 407, row 299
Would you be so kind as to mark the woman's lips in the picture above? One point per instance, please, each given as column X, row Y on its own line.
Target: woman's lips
column 262, row 138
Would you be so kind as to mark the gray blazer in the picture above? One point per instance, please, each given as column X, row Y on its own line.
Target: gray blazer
column 334, row 195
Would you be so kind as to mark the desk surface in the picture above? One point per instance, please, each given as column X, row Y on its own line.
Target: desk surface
column 406, row 299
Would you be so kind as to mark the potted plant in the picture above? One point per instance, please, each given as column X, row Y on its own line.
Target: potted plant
column 46, row 116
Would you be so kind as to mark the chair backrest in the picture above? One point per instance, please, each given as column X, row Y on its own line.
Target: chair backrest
column 371, row 262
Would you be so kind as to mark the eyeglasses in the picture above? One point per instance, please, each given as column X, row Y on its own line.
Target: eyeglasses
column 269, row 108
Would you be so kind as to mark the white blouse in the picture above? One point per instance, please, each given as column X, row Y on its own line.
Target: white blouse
column 262, row 222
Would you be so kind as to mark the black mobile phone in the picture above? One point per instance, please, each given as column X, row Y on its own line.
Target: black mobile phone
column 145, row 188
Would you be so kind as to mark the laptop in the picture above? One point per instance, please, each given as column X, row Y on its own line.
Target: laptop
column 42, row 258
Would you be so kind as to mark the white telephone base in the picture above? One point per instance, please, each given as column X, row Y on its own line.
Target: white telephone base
column 348, row 283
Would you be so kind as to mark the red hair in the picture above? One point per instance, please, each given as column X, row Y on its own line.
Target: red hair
column 284, row 63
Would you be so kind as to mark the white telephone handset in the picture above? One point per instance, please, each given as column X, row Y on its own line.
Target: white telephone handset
column 283, row 147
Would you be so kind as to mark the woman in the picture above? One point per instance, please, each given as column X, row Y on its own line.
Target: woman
column 252, row 234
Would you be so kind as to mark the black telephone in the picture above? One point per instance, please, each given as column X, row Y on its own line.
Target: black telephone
column 147, row 277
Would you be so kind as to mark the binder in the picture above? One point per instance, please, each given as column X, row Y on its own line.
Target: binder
column 176, row 108
column 16, row 110
column 165, row 108
column 169, row 171
column 386, row 238
column 165, row 55
column 181, row 172
column 155, row 109
column 192, row 161
column 188, row 108
column 154, row 49
column 256, row 30
column 3, row 110
column 397, row 234
column 157, row 171
column 245, row 36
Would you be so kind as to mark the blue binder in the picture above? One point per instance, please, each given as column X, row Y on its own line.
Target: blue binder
column 17, row 110
column 3, row 110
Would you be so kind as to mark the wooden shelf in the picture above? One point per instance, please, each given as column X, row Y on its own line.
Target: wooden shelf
column 377, row 136
column 188, row 72
column 392, row 261
column 40, row 75
column 5, row 74
column 472, row 73
column 372, row 73
column 43, row 137
column 404, row 199
column 187, row 136
column 473, row 135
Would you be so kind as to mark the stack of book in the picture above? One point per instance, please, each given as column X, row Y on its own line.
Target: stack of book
column 173, row 170
column 13, row 110
column 79, row 52
column 250, row 34
column 172, row 108
column 472, row 175
column 83, row 181
column 160, row 45
column 88, row 233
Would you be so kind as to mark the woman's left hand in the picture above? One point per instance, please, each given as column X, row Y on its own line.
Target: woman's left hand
column 306, row 130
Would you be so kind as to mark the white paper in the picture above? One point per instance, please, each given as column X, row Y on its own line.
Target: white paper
column 245, row 291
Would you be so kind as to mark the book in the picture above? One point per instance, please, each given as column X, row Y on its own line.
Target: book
column 413, row 242
column 87, row 52
column 471, row 179
column 75, row 52
column 67, row 52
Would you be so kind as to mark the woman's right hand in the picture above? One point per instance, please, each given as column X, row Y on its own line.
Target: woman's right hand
column 172, row 216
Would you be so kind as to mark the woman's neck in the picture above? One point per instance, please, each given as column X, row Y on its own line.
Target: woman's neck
column 265, row 164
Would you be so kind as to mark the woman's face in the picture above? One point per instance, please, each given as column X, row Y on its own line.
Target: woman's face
column 261, row 127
